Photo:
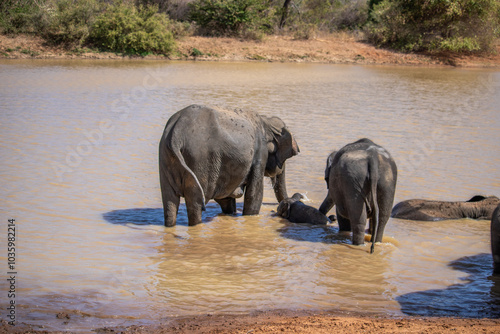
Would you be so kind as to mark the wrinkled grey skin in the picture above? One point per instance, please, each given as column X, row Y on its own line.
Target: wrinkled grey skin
column 361, row 179
column 297, row 212
column 495, row 240
column 478, row 207
column 208, row 153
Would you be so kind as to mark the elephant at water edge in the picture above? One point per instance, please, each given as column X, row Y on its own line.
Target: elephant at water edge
column 211, row 153
column 361, row 179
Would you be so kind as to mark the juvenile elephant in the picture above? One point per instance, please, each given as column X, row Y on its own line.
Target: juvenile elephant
column 495, row 239
column 361, row 179
column 297, row 212
column 210, row 153
column 478, row 207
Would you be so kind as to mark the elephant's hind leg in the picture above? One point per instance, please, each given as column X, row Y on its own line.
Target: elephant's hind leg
column 170, row 206
column 194, row 206
column 170, row 200
column 357, row 216
column 344, row 223
column 384, row 216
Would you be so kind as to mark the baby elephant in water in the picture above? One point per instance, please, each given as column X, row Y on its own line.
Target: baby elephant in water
column 297, row 212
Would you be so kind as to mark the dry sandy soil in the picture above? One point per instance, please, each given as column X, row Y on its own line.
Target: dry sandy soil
column 337, row 49
column 341, row 48
column 307, row 322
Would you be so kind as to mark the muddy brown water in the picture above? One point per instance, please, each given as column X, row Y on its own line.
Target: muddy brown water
column 79, row 173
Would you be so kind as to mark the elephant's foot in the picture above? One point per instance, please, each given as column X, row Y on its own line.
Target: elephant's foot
column 169, row 223
column 170, row 213
column 194, row 219
column 194, row 210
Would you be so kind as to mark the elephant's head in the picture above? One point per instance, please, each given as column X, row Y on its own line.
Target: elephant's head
column 284, row 206
column 280, row 146
column 480, row 206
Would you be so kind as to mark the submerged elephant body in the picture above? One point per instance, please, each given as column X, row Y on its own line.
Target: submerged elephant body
column 297, row 212
column 207, row 153
column 478, row 207
column 361, row 179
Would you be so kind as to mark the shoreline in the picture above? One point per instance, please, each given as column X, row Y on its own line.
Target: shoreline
column 289, row 321
column 338, row 48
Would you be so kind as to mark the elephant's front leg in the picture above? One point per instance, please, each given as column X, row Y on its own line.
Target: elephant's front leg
column 254, row 192
column 228, row 205
column 327, row 204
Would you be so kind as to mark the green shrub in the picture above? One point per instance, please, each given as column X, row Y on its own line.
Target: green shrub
column 122, row 27
column 434, row 25
column 229, row 17
column 24, row 16
column 326, row 15
column 71, row 21
column 176, row 9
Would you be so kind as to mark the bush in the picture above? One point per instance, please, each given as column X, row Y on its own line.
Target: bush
column 176, row 9
column 23, row 16
column 329, row 15
column 122, row 27
column 434, row 25
column 229, row 17
column 71, row 21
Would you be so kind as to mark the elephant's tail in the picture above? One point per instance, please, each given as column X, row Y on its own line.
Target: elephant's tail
column 373, row 169
column 179, row 156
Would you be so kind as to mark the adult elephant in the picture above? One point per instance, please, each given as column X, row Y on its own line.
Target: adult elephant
column 361, row 179
column 210, row 153
column 478, row 207
column 495, row 239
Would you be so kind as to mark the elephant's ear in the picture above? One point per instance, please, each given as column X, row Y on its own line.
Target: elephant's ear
column 284, row 209
column 284, row 144
column 329, row 164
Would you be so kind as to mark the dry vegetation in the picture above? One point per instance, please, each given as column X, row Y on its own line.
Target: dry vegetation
column 337, row 48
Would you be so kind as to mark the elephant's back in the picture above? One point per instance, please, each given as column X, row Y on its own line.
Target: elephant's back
column 419, row 209
column 199, row 122
column 351, row 166
column 217, row 145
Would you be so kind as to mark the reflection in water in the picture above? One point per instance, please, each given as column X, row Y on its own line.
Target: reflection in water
column 314, row 233
column 149, row 216
column 478, row 297
column 79, row 145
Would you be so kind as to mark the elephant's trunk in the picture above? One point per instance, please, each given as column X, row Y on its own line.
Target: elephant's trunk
column 279, row 185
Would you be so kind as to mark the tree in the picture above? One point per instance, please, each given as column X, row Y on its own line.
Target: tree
column 284, row 14
column 461, row 25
